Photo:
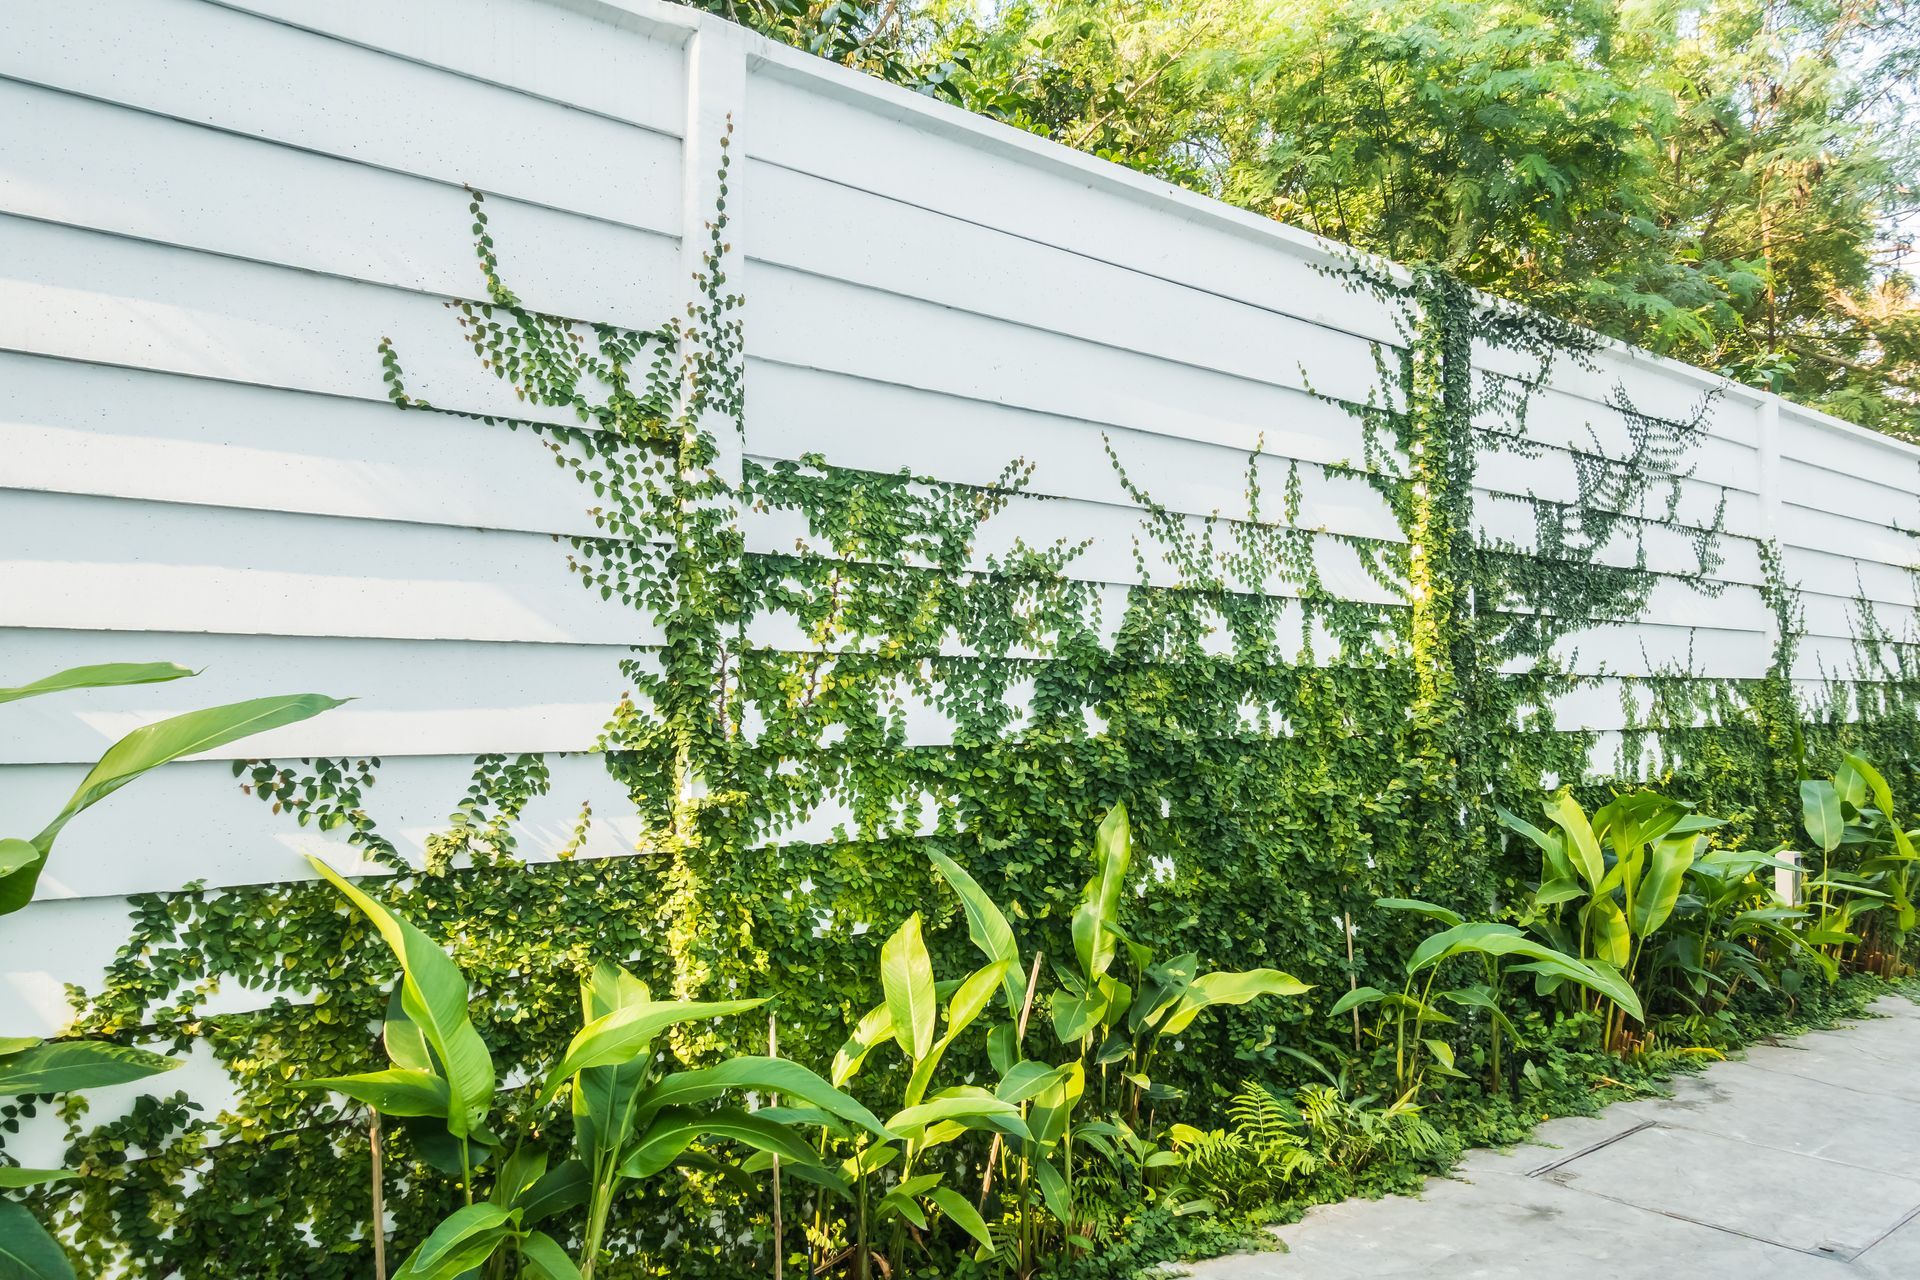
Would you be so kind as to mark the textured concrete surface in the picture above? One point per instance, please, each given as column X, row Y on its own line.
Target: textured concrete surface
column 1799, row 1159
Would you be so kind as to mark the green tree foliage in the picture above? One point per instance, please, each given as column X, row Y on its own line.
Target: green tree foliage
column 1724, row 182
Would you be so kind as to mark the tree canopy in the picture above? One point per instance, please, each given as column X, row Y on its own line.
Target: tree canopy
column 1728, row 182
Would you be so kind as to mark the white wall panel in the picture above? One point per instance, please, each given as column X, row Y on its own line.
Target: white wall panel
column 410, row 697
column 219, row 66
column 835, row 125
column 87, row 563
column 210, row 213
column 835, row 231
column 83, row 295
column 86, row 163
column 627, row 65
column 193, row 823
column 126, row 433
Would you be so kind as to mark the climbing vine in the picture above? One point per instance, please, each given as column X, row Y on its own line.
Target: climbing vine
column 834, row 678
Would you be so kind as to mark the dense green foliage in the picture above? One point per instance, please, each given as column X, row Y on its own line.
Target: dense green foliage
column 1732, row 182
column 1288, row 758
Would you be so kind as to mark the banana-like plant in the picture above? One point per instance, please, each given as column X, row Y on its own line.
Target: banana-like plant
column 1496, row 946
column 910, row 1018
column 1730, row 927
column 1119, row 1024
column 1623, row 870
column 1037, row 1174
column 28, row 1064
column 631, row 1122
column 1854, row 810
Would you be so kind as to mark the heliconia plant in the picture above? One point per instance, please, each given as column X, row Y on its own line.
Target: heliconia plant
column 910, row 1018
column 1111, row 1025
column 631, row 1121
column 1867, row 905
column 1496, row 946
column 1036, row 1175
column 1623, row 871
column 29, row 1064
column 1118, row 1025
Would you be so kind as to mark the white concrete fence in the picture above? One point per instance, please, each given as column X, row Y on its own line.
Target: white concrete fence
column 211, row 212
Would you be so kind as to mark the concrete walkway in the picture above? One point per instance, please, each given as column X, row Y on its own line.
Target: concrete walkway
column 1800, row 1159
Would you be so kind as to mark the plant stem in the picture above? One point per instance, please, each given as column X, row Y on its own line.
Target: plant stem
column 779, row 1245
column 862, row 1264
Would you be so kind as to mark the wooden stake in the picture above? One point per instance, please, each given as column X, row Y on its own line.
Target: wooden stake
column 1353, row 978
column 1019, row 1036
column 379, row 1201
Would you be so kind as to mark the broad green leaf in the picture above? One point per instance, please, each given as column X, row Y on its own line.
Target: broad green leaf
column 1355, row 999
column 872, row 1031
column 961, row 1214
column 1075, row 1016
column 1851, row 783
column 1555, row 891
column 1525, row 828
column 61, row 1066
column 765, row 1075
column 1610, row 938
column 27, row 1251
column 673, row 1130
column 400, row 1091
column 11, row 1177
column 1161, row 988
column 1820, row 813
column 1431, row 910
column 1666, row 872
column 99, row 676
column 153, row 745
column 970, row 1001
column 906, row 978
column 618, row 1037
column 986, row 926
column 1098, row 914
column 1443, row 1057
column 1556, row 869
column 1883, row 798
column 1054, row 1104
column 406, row 1043
column 1486, row 938
column 1210, row 989
column 1029, row 1079
column 463, row 1240
column 1054, row 1192
column 563, row 1187
column 898, row 1202
column 148, row 748
column 604, row 1097
column 518, row 1174
column 433, row 993
column 1583, row 850
column 909, row 1120
column 18, row 855
column 14, row 1044
column 544, row 1258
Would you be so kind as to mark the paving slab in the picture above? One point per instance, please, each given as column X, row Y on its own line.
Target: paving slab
column 1798, row 1160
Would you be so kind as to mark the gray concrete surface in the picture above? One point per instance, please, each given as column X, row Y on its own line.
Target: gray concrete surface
column 1799, row 1159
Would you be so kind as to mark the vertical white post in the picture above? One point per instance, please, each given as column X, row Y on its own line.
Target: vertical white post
column 1767, row 440
column 715, row 129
